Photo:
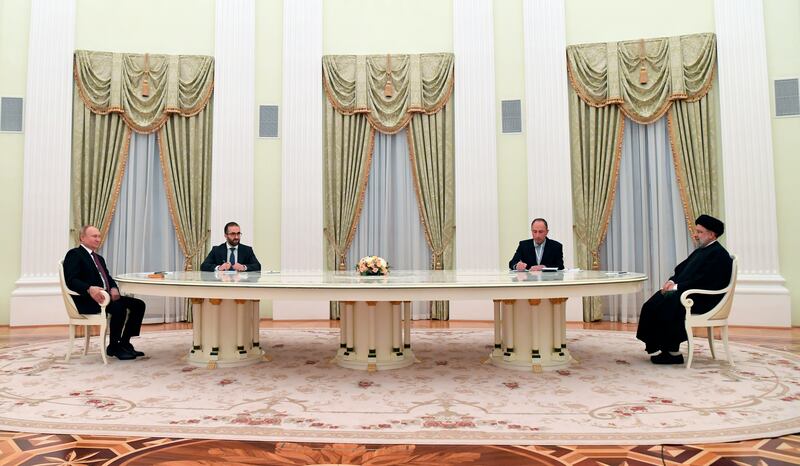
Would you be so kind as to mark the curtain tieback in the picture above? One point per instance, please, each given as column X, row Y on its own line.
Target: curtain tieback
column 438, row 253
column 338, row 253
column 192, row 251
column 594, row 251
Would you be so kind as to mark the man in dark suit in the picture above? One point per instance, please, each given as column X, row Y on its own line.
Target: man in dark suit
column 85, row 272
column 538, row 252
column 231, row 255
column 662, row 321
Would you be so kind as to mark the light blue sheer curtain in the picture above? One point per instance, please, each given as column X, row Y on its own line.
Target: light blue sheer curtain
column 141, row 237
column 389, row 226
column 647, row 232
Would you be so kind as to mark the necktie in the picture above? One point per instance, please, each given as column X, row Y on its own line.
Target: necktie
column 538, row 249
column 232, row 259
column 103, row 274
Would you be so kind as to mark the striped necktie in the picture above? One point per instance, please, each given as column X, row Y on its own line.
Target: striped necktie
column 102, row 270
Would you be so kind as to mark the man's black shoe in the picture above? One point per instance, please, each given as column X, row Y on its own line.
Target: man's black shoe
column 666, row 358
column 120, row 352
column 128, row 346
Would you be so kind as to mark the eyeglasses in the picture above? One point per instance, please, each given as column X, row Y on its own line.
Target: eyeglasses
column 233, row 234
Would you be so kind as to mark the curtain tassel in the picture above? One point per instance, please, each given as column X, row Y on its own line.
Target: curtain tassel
column 388, row 88
column 595, row 260
column 643, row 70
column 146, row 74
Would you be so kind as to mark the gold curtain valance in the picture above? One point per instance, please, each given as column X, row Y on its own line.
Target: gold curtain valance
column 144, row 89
column 675, row 68
column 357, row 83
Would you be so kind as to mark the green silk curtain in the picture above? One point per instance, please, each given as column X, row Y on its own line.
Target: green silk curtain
column 388, row 93
column 115, row 93
column 692, row 133
column 432, row 158
column 347, row 158
column 596, row 143
column 357, row 84
column 145, row 89
column 643, row 80
column 99, row 153
column 185, row 146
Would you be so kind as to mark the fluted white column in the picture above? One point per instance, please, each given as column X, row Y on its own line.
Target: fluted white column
column 301, row 157
column 36, row 299
column 476, row 246
column 232, row 188
column 747, row 161
column 547, row 125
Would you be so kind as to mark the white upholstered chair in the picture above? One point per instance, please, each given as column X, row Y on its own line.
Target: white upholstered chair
column 716, row 317
column 86, row 320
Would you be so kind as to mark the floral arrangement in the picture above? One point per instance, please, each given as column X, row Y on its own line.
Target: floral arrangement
column 373, row 265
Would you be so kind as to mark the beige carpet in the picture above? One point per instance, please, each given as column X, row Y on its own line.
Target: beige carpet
column 612, row 396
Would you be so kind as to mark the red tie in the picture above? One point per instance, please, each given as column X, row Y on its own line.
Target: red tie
column 106, row 281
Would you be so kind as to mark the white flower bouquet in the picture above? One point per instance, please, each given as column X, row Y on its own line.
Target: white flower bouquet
column 373, row 265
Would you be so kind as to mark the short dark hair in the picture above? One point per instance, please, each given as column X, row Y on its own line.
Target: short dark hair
column 540, row 220
column 230, row 224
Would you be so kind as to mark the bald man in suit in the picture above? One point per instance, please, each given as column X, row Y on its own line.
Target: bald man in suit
column 539, row 251
column 86, row 273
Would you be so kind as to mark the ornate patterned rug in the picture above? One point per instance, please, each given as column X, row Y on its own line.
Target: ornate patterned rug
column 613, row 395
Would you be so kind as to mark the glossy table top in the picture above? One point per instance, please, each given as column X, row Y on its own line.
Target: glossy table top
column 396, row 279
column 405, row 285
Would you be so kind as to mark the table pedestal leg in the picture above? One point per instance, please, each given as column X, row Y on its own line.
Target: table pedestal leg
column 407, row 325
column 534, row 327
column 373, row 337
column 213, row 320
column 508, row 329
column 536, row 356
column 225, row 333
column 559, row 329
column 197, row 325
column 497, row 351
column 255, row 326
column 397, row 329
column 241, row 324
column 349, row 329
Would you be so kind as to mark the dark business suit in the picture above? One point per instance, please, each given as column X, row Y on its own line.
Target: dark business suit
column 552, row 255
column 661, row 323
column 80, row 273
column 220, row 254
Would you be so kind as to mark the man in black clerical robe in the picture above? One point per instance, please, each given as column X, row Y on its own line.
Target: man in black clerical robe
column 662, row 320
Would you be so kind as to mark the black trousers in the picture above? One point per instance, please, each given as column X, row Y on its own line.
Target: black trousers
column 126, row 319
column 662, row 322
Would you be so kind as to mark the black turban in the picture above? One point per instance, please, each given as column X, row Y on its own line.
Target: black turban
column 711, row 223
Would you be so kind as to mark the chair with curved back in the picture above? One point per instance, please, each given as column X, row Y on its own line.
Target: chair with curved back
column 716, row 317
column 86, row 320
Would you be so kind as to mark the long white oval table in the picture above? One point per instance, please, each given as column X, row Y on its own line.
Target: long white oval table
column 529, row 310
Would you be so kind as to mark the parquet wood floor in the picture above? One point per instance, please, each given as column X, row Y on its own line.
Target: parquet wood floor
column 20, row 448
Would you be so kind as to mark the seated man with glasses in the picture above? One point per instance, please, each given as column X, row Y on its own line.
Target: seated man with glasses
column 231, row 255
